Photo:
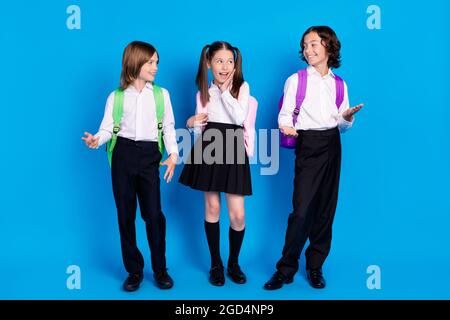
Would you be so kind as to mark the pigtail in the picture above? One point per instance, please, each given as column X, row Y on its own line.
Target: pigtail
column 238, row 78
column 202, row 76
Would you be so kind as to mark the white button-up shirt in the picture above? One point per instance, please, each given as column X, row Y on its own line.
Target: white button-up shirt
column 224, row 108
column 318, row 111
column 139, row 121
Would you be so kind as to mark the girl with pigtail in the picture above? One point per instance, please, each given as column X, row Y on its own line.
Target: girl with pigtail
column 218, row 161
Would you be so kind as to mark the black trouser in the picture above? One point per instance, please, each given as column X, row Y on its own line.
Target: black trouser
column 316, row 184
column 135, row 172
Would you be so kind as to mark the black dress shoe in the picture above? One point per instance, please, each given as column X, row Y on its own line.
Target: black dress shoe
column 216, row 276
column 133, row 281
column 277, row 281
column 163, row 280
column 236, row 274
column 315, row 278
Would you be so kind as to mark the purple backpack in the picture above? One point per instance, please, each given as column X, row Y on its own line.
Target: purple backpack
column 289, row 142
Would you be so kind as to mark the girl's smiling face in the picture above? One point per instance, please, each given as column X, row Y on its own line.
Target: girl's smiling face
column 149, row 69
column 314, row 51
column 221, row 65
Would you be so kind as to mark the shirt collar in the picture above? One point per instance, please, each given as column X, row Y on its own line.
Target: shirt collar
column 213, row 85
column 312, row 71
column 132, row 89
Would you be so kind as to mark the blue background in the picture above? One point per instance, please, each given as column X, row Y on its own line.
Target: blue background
column 57, row 207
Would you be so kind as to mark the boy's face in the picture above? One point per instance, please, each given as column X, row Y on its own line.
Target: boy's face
column 221, row 65
column 314, row 51
column 149, row 69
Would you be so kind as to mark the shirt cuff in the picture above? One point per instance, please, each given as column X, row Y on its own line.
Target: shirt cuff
column 284, row 122
column 344, row 125
column 172, row 149
column 101, row 141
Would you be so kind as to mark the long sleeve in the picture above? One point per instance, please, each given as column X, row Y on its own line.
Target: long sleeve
column 169, row 133
column 196, row 129
column 343, row 124
column 199, row 108
column 237, row 108
column 289, row 101
column 107, row 124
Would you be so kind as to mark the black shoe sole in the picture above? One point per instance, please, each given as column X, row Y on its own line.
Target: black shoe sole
column 317, row 287
column 134, row 288
column 235, row 280
column 131, row 289
column 164, row 287
column 217, row 284
column 287, row 281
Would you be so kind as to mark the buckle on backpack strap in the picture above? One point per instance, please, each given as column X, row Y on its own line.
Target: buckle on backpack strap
column 116, row 129
column 296, row 112
column 160, row 126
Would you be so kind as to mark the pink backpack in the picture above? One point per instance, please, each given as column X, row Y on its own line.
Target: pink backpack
column 290, row 142
column 249, row 122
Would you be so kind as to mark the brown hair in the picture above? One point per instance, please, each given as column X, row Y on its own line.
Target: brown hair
column 135, row 55
column 329, row 40
column 206, row 56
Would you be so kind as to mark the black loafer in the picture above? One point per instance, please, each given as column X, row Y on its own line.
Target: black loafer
column 216, row 276
column 235, row 273
column 315, row 278
column 133, row 281
column 277, row 281
column 163, row 280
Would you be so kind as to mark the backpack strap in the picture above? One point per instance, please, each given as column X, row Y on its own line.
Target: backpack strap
column 159, row 103
column 301, row 93
column 339, row 90
column 249, row 126
column 118, row 113
column 117, row 116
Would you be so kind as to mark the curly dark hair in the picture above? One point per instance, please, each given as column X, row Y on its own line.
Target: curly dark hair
column 329, row 40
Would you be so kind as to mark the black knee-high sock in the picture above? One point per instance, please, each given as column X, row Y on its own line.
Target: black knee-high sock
column 213, row 235
column 236, row 238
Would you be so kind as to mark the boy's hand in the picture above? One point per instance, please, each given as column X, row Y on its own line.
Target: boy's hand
column 348, row 114
column 170, row 162
column 198, row 120
column 90, row 140
column 288, row 131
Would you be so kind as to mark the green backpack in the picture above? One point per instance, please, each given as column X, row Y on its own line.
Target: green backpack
column 117, row 116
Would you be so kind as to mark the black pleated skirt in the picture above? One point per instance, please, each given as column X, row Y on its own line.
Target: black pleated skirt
column 218, row 161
